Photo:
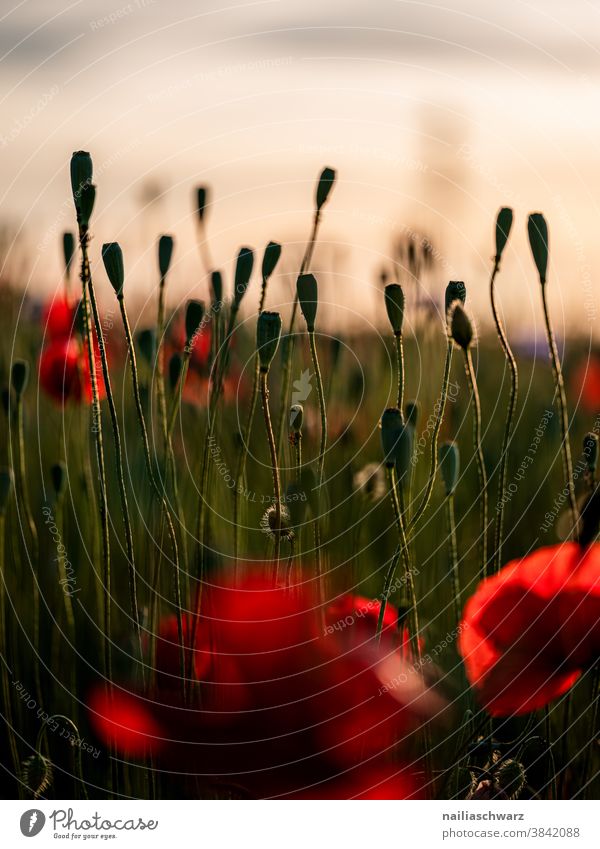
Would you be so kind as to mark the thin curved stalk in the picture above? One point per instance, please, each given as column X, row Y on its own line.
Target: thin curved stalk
column 453, row 552
column 400, row 367
column 563, row 414
column 322, row 408
column 512, row 403
column 593, row 728
column 8, row 718
column 434, row 441
column 160, row 363
column 264, row 394
column 481, row 472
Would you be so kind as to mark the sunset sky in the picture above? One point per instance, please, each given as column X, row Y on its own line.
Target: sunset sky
column 433, row 114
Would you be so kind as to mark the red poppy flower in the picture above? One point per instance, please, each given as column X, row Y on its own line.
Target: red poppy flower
column 58, row 317
column 529, row 631
column 283, row 709
column 357, row 616
column 585, row 384
column 65, row 373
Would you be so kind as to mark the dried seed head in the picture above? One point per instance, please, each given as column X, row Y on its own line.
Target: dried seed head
column 504, row 222
column 394, row 304
column 112, row 257
column 538, row 241
column 270, row 259
column 449, row 460
column 146, row 340
column 268, row 523
column 81, row 173
column 19, row 376
column 461, row 329
column 216, row 285
column 165, row 252
column 243, row 270
column 391, row 428
column 58, row 476
column 296, row 417
column 201, row 202
column 510, row 778
column 590, row 450
column 455, row 291
column 68, row 242
column 308, row 296
column 411, row 413
column 324, row 187
column 268, row 332
column 194, row 314
column 36, row 772
column 175, row 366
column 5, row 488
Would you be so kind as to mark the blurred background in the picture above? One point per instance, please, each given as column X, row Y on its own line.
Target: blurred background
column 433, row 114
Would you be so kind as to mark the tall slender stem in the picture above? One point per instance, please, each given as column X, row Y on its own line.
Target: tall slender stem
column 322, row 408
column 264, row 394
column 400, row 367
column 453, row 552
column 477, row 447
column 512, row 403
column 8, row 718
column 160, row 362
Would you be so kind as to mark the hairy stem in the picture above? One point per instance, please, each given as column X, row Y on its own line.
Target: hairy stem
column 477, row 447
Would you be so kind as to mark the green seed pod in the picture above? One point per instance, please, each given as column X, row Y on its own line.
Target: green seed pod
column 81, row 173
column 449, row 460
column 324, row 187
column 538, row 241
column 270, row 259
column 201, row 202
column 394, row 304
column 268, row 332
column 391, row 428
column 175, row 366
column 243, row 270
column 411, row 413
column 165, row 252
column 504, row 222
column 296, row 417
column 68, row 243
column 5, row 489
column 19, row 376
column 590, row 450
column 58, row 476
column 455, row 291
column 112, row 256
column 216, row 285
column 461, row 329
column 308, row 295
column 87, row 199
column 194, row 314
column 146, row 340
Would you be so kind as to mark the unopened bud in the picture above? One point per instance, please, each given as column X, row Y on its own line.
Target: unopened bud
column 268, row 332
column 308, row 297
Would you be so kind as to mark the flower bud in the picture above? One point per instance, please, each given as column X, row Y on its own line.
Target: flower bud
column 504, row 222
column 296, row 417
column 268, row 331
column 19, row 376
column 270, row 259
column 112, row 256
column 81, row 173
column 5, row 488
column 391, row 428
column 175, row 366
column 538, row 241
column 147, row 344
column 449, row 460
column 58, row 476
column 590, row 449
column 194, row 313
column 324, row 187
column 394, row 304
column 455, row 291
column 216, row 285
column 411, row 413
column 201, row 202
column 165, row 252
column 243, row 270
column 461, row 329
column 308, row 296
column 87, row 199
column 68, row 250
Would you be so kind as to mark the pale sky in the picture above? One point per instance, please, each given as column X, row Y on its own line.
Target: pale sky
column 433, row 114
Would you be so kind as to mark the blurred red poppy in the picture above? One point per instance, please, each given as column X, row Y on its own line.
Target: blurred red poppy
column 528, row 632
column 65, row 373
column 58, row 317
column 585, row 384
column 283, row 710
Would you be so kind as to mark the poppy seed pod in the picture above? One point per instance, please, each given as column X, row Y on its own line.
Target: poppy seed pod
column 68, row 242
column 538, row 241
column 201, row 202
column 449, row 460
column 5, row 488
column 296, row 417
column 270, row 259
column 504, row 222
column 308, row 295
column 175, row 366
column 324, row 187
column 411, row 413
column 391, row 428
column 216, row 285
column 243, row 270
column 58, row 476
column 194, row 313
column 19, row 376
column 147, row 344
column 590, row 449
column 394, row 304
column 165, row 252
column 461, row 329
column 455, row 291
column 85, row 207
column 112, row 257
column 81, row 173
column 268, row 331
